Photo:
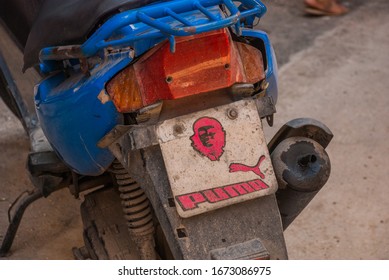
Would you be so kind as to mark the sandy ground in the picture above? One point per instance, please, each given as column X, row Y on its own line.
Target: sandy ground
column 342, row 81
column 334, row 70
column 52, row 226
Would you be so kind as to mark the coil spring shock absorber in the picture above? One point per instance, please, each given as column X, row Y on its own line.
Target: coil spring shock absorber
column 137, row 212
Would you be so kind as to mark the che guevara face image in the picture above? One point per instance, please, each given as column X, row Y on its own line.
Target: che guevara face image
column 208, row 138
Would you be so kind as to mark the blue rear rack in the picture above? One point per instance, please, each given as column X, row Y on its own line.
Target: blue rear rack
column 154, row 17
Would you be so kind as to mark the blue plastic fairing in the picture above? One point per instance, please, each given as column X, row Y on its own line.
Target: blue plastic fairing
column 75, row 113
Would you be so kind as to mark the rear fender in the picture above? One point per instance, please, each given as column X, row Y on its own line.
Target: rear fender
column 212, row 235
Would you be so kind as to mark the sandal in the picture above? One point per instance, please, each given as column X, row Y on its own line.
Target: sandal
column 324, row 8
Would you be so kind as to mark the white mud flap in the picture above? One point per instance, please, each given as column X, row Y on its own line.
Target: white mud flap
column 217, row 157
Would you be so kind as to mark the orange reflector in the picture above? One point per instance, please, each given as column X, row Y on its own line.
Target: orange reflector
column 124, row 91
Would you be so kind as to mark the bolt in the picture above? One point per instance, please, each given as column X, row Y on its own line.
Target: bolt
column 232, row 114
column 169, row 79
column 264, row 85
column 178, row 129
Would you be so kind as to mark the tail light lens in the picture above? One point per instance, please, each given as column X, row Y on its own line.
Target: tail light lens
column 124, row 91
column 201, row 63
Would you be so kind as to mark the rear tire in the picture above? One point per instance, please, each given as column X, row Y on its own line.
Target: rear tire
column 105, row 230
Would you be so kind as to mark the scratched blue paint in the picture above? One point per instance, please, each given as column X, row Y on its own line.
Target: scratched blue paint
column 74, row 119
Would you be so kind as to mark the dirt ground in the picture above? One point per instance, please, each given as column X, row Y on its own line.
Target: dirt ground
column 342, row 81
column 331, row 69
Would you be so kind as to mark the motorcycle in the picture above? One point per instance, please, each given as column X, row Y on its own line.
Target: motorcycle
column 153, row 110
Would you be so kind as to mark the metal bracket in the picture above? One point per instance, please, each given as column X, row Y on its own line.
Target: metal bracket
column 136, row 136
column 265, row 106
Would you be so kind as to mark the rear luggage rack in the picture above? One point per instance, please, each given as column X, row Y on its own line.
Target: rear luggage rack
column 161, row 20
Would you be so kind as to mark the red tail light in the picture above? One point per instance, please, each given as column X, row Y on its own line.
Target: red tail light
column 201, row 63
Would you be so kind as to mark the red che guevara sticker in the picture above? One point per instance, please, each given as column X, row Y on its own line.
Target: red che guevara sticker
column 209, row 138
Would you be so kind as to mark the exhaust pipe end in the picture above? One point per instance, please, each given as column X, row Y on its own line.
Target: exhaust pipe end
column 302, row 167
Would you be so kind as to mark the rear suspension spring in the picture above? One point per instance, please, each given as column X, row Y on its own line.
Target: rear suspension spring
column 137, row 211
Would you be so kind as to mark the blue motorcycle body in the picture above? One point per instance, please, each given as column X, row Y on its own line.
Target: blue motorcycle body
column 69, row 105
column 129, row 156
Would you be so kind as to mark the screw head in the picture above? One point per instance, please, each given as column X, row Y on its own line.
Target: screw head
column 178, row 129
column 169, row 79
column 232, row 114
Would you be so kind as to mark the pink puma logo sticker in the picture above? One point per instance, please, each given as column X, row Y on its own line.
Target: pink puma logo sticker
column 236, row 167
